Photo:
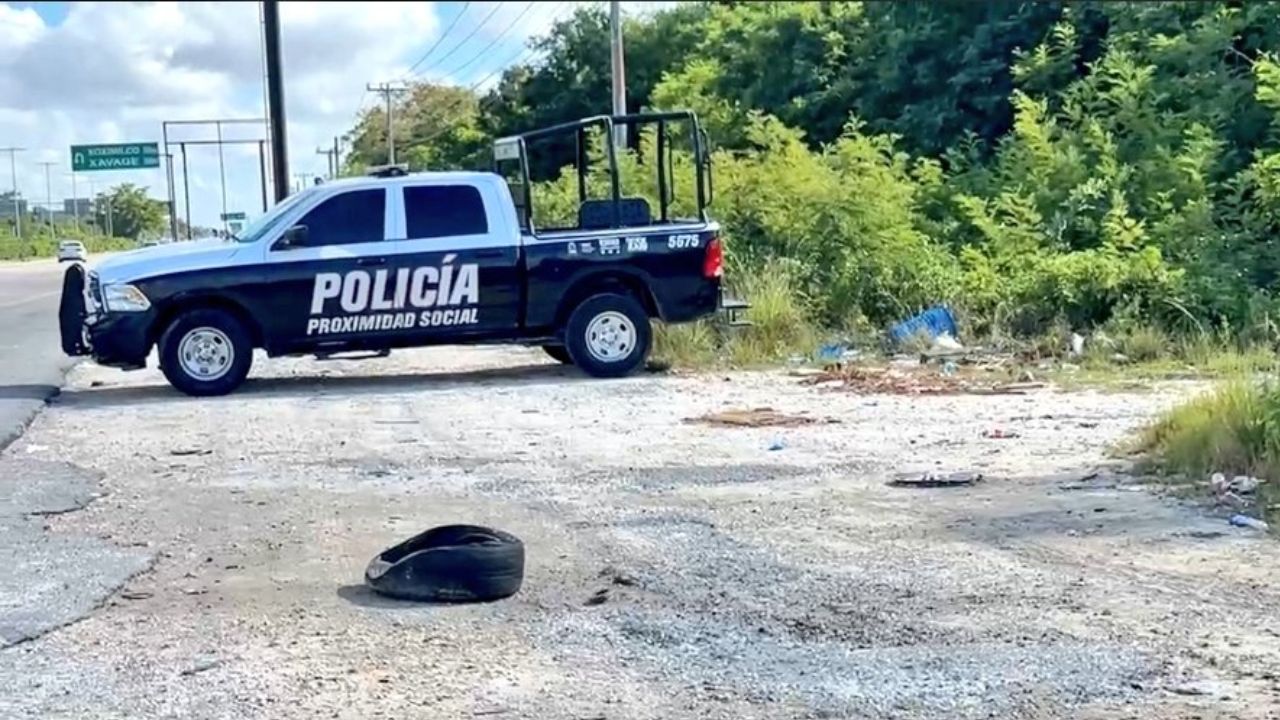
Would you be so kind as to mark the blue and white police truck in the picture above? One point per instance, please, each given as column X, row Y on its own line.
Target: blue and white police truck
column 397, row 259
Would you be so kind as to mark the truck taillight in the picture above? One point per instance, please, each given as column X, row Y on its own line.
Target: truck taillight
column 713, row 262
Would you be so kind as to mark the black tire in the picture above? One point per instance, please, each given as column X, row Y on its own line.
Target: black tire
column 558, row 353
column 578, row 340
column 451, row 563
column 241, row 348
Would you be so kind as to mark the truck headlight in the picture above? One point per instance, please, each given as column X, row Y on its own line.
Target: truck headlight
column 124, row 298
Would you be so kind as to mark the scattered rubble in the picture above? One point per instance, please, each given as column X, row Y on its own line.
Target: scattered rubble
column 933, row 479
column 899, row 381
column 1240, row 484
column 758, row 417
column 1000, row 434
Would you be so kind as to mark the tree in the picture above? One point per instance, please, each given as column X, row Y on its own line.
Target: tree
column 436, row 128
column 129, row 213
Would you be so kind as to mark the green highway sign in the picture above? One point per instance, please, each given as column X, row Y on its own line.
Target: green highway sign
column 117, row 156
column 234, row 216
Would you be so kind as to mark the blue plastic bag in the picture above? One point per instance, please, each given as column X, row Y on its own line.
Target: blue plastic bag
column 935, row 321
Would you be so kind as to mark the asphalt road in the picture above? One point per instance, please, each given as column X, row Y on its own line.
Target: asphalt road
column 31, row 361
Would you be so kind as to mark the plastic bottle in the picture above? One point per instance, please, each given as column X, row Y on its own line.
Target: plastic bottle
column 1246, row 521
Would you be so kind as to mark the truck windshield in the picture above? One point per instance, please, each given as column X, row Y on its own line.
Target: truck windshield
column 263, row 224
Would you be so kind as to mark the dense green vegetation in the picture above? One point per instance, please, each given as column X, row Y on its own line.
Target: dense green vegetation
column 1038, row 165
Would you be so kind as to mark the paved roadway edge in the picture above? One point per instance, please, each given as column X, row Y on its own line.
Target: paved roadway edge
column 38, row 402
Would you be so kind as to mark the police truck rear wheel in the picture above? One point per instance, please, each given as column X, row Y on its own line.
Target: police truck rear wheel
column 206, row 352
column 608, row 335
column 558, row 353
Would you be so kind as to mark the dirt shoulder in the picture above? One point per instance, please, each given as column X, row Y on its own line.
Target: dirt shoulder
column 743, row 581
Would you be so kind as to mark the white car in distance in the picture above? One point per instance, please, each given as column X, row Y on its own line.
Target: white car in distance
column 71, row 250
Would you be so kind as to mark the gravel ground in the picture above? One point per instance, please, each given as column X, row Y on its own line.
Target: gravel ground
column 742, row 582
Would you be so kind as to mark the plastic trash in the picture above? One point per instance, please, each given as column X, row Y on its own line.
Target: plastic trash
column 777, row 444
column 1246, row 521
column 935, row 321
column 1242, row 484
column 947, row 344
column 949, row 368
column 1245, row 484
column 1077, row 345
column 833, row 352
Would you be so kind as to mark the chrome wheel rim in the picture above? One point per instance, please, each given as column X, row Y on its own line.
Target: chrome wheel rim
column 611, row 336
column 206, row 354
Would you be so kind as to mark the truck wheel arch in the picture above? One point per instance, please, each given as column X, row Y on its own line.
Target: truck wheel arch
column 180, row 305
column 606, row 281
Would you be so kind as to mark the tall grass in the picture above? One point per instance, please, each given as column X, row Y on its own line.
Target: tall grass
column 781, row 325
column 1233, row 429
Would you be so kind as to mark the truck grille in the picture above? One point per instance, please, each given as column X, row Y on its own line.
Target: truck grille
column 93, row 294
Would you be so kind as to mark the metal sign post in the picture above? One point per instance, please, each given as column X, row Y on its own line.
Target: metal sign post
column 219, row 140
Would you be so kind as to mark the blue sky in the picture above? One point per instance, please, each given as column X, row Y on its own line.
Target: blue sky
column 61, row 84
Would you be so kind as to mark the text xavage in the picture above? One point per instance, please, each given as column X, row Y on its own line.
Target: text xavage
column 445, row 295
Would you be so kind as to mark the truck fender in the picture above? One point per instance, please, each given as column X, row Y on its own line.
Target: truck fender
column 617, row 279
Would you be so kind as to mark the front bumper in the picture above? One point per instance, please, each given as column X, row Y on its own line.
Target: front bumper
column 114, row 339
column 120, row 340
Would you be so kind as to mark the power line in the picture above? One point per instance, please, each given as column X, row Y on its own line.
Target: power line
column 494, row 11
column 513, row 60
column 518, row 58
column 439, row 40
column 458, row 70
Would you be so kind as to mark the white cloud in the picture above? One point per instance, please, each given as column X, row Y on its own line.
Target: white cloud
column 68, row 84
column 112, row 71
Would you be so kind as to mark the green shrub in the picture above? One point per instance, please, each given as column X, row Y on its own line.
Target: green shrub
column 1233, row 429
column 781, row 325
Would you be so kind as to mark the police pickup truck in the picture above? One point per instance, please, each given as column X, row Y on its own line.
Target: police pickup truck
column 399, row 259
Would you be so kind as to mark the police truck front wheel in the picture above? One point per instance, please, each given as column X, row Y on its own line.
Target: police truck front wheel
column 206, row 352
column 608, row 335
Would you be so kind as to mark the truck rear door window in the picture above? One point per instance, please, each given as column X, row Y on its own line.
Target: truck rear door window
column 356, row 216
column 433, row 211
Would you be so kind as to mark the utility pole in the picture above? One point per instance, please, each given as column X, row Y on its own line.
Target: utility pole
column 389, row 90
column 275, row 98
column 13, row 172
column 330, row 156
column 619, row 71
column 48, row 194
column 302, row 180
column 337, row 157
column 75, row 201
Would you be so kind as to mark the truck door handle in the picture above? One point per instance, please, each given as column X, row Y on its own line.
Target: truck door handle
column 368, row 261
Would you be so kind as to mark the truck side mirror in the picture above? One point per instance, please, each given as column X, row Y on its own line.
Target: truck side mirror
column 294, row 237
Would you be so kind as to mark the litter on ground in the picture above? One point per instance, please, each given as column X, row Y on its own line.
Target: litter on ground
column 933, row 479
column 757, row 417
column 897, row 381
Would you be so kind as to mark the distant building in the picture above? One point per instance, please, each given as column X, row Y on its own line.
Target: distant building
column 6, row 206
column 44, row 214
column 81, row 206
